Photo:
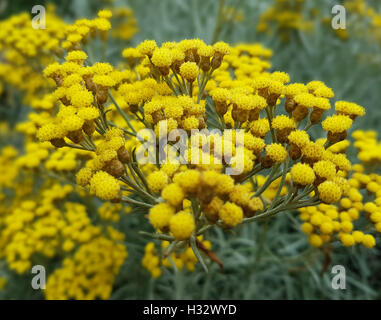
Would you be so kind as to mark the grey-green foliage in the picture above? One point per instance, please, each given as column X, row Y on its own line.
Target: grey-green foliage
column 288, row 268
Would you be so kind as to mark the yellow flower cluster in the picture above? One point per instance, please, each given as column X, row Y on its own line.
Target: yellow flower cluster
column 79, row 33
column 110, row 211
column 125, row 22
column 90, row 273
column 154, row 260
column 217, row 193
column 32, row 227
column 286, row 16
column 368, row 147
column 326, row 223
column 39, row 222
column 170, row 86
column 19, row 44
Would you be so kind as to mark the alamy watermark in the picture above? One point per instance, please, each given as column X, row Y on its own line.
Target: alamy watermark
column 338, row 281
column 39, row 20
column 339, row 20
column 39, row 280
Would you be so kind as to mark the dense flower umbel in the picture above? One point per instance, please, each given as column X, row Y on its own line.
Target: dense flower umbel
column 170, row 87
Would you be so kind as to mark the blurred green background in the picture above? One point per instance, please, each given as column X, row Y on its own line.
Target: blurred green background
column 288, row 268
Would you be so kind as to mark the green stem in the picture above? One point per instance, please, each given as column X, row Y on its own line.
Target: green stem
column 268, row 181
column 123, row 129
column 123, row 114
column 285, row 170
column 138, row 203
column 197, row 253
column 255, row 170
column 137, row 188
column 178, row 80
column 269, row 117
column 158, row 236
column 76, row 147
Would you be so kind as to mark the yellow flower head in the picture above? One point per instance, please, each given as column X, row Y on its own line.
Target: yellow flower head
column 182, row 225
column 162, row 57
column 283, row 122
column 231, row 214
column 173, row 194
column 302, row 174
column 337, row 123
column 329, row 192
column 325, row 169
column 157, row 181
column 276, row 152
column 160, row 215
column 349, row 108
column 105, row 186
column 189, row 71
column 299, row 137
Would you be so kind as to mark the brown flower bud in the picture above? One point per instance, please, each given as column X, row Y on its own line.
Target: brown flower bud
column 90, row 85
column 221, row 107
column 102, row 94
column 243, row 116
column 157, row 116
column 282, row 135
column 336, row 137
column 116, row 200
column 58, row 79
column 134, row 108
column 65, row 101
column 272, row 99
column 75, row 136
column 164, row 70
column 212, row 218
column 201, row 122
column 205, row 64
column 239, row 178
column 289, row 104
column 267, row 162
column 176, row 65
column 254, row 115
column 123, row 155
column 216, row 61
column 308, row 161
column 58, row 142
column 205, row 194
column 319, row 180
column 248, row 212
column 263, row 92
column 235, row 112
column 115, row 168
column 316, row 115
column 299, row 113
column 88, row 127
column 189, row 56
column 196, row 56
column 294, row 152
